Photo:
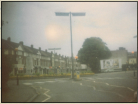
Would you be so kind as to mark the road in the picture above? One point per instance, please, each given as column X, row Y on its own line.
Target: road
column 103, row 87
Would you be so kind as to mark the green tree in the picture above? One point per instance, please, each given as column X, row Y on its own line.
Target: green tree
column 92, row 51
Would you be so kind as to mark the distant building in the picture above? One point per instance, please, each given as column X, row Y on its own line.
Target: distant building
column 121, row 53
column 132, row 58
column 125, row 56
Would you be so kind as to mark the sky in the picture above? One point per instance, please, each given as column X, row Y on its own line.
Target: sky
column 35, row 23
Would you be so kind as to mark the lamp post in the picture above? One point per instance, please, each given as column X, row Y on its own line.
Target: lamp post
column 76, row 57
column 96, row 64
column 133, row 64
column 73, row 14
column 127, row 65
column 16, row 49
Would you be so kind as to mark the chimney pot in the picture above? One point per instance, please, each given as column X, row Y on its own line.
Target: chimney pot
column 21, row 43
column 31, row 46
column 9, row 39
column 40, row 48
column 46, row 50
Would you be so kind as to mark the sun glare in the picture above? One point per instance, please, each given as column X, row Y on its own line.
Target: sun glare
column 52, row 32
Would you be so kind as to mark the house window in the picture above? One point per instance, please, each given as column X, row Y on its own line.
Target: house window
column 47, row 64
column 19, row 60
column 12, row 52
column 6, row 52
column 19, row 52
column 23, row 61
column 37, row 61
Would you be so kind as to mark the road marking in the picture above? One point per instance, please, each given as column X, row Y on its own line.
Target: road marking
column 47, row 90
column 39, row 82
column 107, row 84
column 27, row 83
column 61, row 81
column 80, row 83
column 94, row 87
column 110, row 78
column 50, row 81
column 118, row 86
column 130, row 89
column 36, row 89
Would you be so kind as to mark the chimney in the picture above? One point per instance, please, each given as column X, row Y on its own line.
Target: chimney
column 46, row 50
column 31, row 46
column 21, row 43
column 8, row 39
column 39, row 48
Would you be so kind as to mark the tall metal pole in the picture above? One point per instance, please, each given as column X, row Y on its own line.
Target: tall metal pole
column 71, row 48
column 73, row 14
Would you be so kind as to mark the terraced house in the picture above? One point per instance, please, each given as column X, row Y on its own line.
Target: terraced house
column 29, row 60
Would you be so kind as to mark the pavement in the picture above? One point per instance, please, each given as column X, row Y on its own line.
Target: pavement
column 22, row 93
column 18, row 93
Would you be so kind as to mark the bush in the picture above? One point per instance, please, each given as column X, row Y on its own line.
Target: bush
column 45, row 75
column 50, row 73
column 61, row 73
column 89, row 71
column 82, row 72
column 37, row 74
column 21, row 74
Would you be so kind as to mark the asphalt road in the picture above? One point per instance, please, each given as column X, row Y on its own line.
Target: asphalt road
column 103, row 87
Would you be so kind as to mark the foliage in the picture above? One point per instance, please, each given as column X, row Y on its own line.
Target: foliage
column 7, row 65
column 89, row 71
column 50, row 73
column 21, row 74
column 37, row 74
column 92, row 51
column 61, row 73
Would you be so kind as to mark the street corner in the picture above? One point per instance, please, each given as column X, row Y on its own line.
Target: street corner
column 18, row 94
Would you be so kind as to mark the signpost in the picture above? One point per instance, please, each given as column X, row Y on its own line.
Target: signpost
column 78, row 74
column 54, row 53
column 54, row 49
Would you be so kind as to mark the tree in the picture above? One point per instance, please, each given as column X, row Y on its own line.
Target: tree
column 7, row 65
column 92, row 51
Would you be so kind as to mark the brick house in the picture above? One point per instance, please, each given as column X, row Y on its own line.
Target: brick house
column 29, row 60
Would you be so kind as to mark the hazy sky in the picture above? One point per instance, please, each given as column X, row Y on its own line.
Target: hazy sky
column 36, row 23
